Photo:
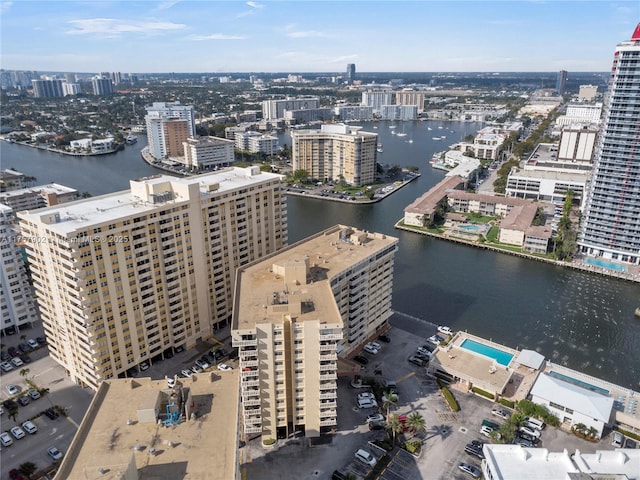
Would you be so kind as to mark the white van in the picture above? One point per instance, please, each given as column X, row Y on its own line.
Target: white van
column 365, row 457
column 535, row 423
column 616, row 440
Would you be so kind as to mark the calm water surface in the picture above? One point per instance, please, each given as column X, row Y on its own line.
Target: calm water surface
column 576, row 319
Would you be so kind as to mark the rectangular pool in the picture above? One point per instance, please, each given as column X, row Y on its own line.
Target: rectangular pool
column 500, row 356
column 605, row 264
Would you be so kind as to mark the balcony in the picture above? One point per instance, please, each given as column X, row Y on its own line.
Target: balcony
column 331, row 367
column 328, row 347
column 327, row 422
column 245, row 343
column 250, row 383
column 252, row 429
column 328, row 356
column 331, row 336
column 328, row 376
column 249, row 363
column 249, row 373
column 250, row 402
column 328, row 395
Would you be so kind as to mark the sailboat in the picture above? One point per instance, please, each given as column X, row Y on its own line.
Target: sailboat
column 402, row 134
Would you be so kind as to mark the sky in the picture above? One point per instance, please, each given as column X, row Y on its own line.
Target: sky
column 313, row 36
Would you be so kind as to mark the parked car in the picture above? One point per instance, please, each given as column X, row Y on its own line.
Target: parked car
column 376, row 426
column 29, row 427
column 366, row 457
column 530, row 438
column 202, row 364
column 470, row 470
column 523, row 442
column 17, row 362
column 416, row 360
column 5, row 439
column 33, row 394
column 4, row 356
column 25, row 358
column 15, row 474
column 487, row 431
column 529, row 431
column 630, row 443
column 435, row 339
column 474, row 450
column 445, row 330
column 51, row 413
column 54, row 453
column 617, row 439
column 12, row 389
column 144, row 366
column 186, row 373
column 375, row 345
column 384, row 338
column 24, row 400
column 17, row 432
column 24, row 347
column 498, row 412
column 338, row 475
column 41, row 341
column 370, row 349
column 6, row 367
column 33, row 343
column 364, row 395
column 535, row 423
column 197, row 369
column 224, row 367
column 423, row 353
column 367, row 403
column 391, row 386
column 361, row 360
column 13, row 351
column 375, row 417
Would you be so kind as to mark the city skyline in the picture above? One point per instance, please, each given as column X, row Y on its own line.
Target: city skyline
column 314, row 36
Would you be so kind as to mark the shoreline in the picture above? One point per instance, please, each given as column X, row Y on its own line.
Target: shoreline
column 575, row 265
column 64, row 152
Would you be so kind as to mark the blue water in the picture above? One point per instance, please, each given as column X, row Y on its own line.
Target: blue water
column 604, row 264
column 500, row 356
column 469, row 228
column 579, row 383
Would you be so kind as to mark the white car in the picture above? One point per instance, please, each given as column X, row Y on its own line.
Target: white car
column 144, row 366
column 5, row 439
column 365, row 457
column 224, row 367
column 171, row 381
column 367, row 403
column 530, row 431
column 29, row 427
column 12, row 389
column 17, row 362
column 17, row 432
column 486, row 431
column 375, row 345
column 500, row 413
column 32, row 343
column 375, row 417
column 186, row 373
column 370, row 349
column 6, row 366
column 54, row 453
column 366, row 396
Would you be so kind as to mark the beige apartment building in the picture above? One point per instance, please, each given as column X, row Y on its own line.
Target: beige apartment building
column 409, row 97
column 336, row 152
column 125, row 277
column 295, row 313
column 208, row 152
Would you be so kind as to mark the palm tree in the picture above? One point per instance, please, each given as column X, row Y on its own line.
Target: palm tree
column 390, row 400
column 416, row 422
column 24, row 372
column 580, row 427
column 394, row 425
column 28, row 468
column 592, row 432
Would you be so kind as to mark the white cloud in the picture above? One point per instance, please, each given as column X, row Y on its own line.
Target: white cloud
column 167, row 5
column 5, row 6
column 217, row 36
column 113, row 27
column 254, row 6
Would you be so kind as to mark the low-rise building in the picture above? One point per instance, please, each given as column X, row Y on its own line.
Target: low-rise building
column 141, row 428
column 208, row 152
column 256, row 142
column 38, row 197
column 11, row 180
column 421, row 212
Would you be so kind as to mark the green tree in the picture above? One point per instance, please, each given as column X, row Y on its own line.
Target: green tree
column 12, row 410
column 416, row 422
column 394, row 426
column 390, row 400
column 28, row 468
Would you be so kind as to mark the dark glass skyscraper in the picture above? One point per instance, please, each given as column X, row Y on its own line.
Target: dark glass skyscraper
column 561, row 82
column 351, row 72
column 611, row 217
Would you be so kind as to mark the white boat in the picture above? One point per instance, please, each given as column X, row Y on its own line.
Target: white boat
column 410, row 140
column 443, row 136
column 392, row 127
column 436, row 138
column 439, row 128
column 444, row 329
column 401, row 134
column 429, row 128
column 131, row 139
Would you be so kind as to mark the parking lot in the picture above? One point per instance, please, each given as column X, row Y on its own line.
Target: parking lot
column 446, row 433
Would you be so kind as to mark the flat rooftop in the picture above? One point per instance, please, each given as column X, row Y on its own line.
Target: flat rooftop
column 109, row 208
column 263, row 293
column 111, row 437
column 40, row 189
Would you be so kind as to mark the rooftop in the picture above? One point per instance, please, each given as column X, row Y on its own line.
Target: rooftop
column 40, row 189
column 120, row 436
column 514, row 461
column 297, row 280
column 426, row 203
column 104, row 209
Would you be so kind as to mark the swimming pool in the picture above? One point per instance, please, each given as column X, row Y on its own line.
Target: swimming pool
column 500, row 356
column 604, row 264
column 473, row 228
column 579, row 383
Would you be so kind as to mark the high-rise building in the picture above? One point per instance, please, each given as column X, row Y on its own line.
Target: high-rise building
column 16, row 302
column 47, row 88
column 336, row 152
column 408, row 97
column 125, row 277
column 71, row 89
column 377, row 99
column 297, row 311
column 351, row 73
column 169, row 125
column 102, row 85
column 610, row 225
column 272, row 109
column 561, row 82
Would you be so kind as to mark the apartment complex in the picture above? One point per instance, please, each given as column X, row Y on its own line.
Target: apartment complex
column 295, row 313
column 256, row 142
column 47, row 88
column 376, row 99
column 16, row 303
column 336, row 152
column 38, row 197
column 411, row 97
column 610, row 226
column 208, row 152
column 124, row 277
column 102, row 85
column 272, row 109
column 169, row 125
